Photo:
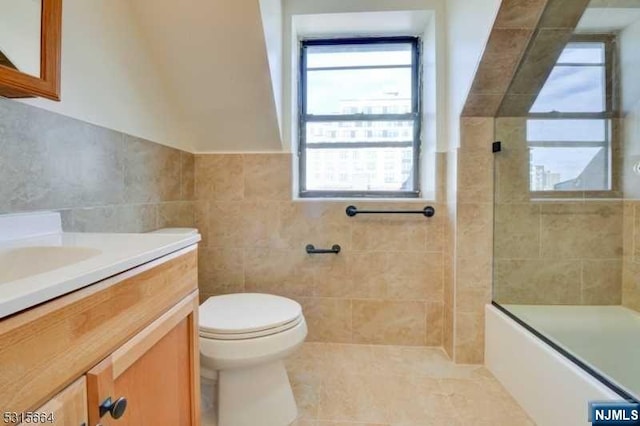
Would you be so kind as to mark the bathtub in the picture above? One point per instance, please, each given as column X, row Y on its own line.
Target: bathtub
column 547, row 381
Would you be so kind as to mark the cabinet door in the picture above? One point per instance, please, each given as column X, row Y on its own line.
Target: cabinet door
column 68, row 408
column 156, row 372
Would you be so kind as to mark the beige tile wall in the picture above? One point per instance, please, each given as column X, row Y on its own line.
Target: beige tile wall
column 551, row 252
column 631, row 262
column 631, row 226
column 472, row 238
column 385, row 287
column 101, row 180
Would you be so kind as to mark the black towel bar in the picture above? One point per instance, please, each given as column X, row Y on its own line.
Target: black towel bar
column 428, row 211
column 335, row 249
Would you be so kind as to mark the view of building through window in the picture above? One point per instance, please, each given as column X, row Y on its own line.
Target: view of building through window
column 360, row 117
column 570, row 138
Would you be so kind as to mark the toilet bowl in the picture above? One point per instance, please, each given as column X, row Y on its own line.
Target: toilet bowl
column 244, row 339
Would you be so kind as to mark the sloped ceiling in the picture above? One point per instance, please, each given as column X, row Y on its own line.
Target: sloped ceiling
column 213, row 56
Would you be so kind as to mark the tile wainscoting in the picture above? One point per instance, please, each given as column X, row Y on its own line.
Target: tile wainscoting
column 100, row 179
column 385, row 286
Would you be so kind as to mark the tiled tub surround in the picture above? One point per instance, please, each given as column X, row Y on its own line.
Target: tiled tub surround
column 101, row 180
column 631, row 186
column 631, row 265
column 468, row 240
column 551, row 251
column 385, row 286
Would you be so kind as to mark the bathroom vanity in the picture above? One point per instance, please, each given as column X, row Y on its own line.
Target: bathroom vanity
column 122, row 350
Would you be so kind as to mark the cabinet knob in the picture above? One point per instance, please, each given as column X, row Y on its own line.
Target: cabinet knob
column 115, row 408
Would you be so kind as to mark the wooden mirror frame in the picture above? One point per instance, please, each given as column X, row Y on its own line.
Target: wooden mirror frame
column 16, row 84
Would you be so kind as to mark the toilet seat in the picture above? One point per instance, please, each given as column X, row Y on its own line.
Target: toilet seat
column 247, row 316
column 251, row 335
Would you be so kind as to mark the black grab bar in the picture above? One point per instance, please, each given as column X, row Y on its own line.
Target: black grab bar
column 428, row 211
column 335, row 249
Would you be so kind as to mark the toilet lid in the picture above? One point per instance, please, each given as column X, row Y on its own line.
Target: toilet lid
column 246, row 313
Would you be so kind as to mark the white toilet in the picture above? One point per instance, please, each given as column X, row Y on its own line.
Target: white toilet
column 244, row 339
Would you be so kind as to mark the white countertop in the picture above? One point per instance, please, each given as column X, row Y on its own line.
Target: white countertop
column 113, row 254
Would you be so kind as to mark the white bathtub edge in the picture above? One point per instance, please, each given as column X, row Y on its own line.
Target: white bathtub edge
column 549, row 387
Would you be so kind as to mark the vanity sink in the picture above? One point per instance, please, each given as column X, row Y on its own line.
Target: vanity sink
column 22, row 262
column 39, row 262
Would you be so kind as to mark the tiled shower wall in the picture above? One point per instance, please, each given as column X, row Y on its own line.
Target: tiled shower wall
column 101, row 180
column 385, row 286
column 551, row 251
column 631, row 179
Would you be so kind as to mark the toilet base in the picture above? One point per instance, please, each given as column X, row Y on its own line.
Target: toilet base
column 259, row 395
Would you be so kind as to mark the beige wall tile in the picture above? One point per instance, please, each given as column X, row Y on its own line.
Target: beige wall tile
column 151, row 171
column 631, row 284
column 472, row 300
column 602, row 282
column 543, row 53
column 435, row 323
column 329, row 320
column 382, row 234
column 350, row 274
column 501, row 56
column 387, row 322
column 267, row 176
column 244, row 224
column 538, row 281
column 481, row 105
column 563, row 13
column 220, row 271
column 260, row 222
column 475, row 133
column 201, row 220
column 636, row 244
column 283, row 272
column 138, row 217
column 469, row 343
column 414, row 275
column 97, row 219
column 520, row 13
column 219, row 177
column 517, row 231
column 187, row 177
column 179, row 214
column 475, row 175
column 474, row 272
column 474, row 229
column 322, row 224
column 581, row 230
column 396, row 261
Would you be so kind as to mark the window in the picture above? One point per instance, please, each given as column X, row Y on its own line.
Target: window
column 355, row 83
column 569, row 129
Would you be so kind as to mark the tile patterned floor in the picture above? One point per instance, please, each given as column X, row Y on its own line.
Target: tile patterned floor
column 350, row 385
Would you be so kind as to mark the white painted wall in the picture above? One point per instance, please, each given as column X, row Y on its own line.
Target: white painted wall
column 20, row 34
column 302, row 18
column 272, row 26
column 109, row 77
column 214, row 56
column 629, row 45
column 468, row 26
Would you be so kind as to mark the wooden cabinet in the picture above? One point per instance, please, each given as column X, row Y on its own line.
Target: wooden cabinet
column 68, row 408
column 155, row 373
column 132, row 336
